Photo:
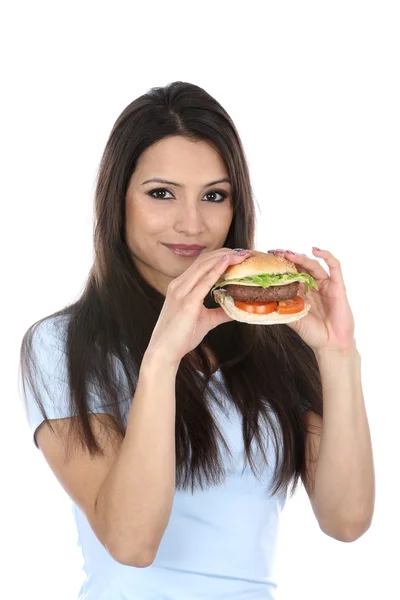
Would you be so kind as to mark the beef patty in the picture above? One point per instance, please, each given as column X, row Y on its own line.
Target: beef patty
column 258, row 294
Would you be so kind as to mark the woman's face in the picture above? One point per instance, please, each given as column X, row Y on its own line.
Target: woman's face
column 185, row 211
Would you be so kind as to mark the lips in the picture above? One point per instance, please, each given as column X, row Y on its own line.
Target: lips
column 185, row 250
column 184, row 247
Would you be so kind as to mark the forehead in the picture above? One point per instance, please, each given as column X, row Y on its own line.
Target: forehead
column 177, row 156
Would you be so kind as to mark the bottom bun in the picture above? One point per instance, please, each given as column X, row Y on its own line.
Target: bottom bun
column 228, row 305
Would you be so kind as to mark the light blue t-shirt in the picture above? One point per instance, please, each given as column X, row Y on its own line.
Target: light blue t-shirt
column 219, row 543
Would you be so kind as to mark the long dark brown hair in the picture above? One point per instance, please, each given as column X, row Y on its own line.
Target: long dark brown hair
column 266, row 369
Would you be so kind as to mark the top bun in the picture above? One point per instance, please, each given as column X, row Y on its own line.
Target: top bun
column 258, row 263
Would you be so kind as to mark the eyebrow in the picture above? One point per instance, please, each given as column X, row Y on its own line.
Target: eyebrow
column 158, row 180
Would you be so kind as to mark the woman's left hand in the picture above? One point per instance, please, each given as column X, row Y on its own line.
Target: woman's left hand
column 329, row 324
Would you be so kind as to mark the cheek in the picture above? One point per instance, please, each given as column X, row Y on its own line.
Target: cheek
column 143, row 218
column 221, row 219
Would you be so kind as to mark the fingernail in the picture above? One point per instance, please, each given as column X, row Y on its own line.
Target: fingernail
column 318, row 249
column 290, row 252
column 279, row 251
column 242, row 251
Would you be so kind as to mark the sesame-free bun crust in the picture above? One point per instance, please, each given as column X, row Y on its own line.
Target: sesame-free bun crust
column 257, row 263
column 228, row 305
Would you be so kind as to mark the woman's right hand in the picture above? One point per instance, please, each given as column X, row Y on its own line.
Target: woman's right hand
column 184, row 320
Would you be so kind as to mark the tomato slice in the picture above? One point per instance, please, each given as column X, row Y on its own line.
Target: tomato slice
column 283, row 307
column 292, row 306
column 260, row 308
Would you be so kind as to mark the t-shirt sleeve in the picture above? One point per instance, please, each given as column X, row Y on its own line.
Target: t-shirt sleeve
column 50, row 373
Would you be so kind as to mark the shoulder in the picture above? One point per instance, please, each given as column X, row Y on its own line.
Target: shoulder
column 50, row 331
column 43, row 354
column 44, row 339
column 43, row 345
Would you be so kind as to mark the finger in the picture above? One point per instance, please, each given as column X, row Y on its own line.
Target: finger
column 204, row 285
column 305, row 264
column 218, row 316
column 202, row 275
column 334, row 266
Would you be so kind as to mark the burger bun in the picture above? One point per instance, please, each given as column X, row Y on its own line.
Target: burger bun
column 258, row 262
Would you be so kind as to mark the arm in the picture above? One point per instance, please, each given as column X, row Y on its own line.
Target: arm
column 127, row 495
column 339, row 463
column 340, row 481
column 134, row 502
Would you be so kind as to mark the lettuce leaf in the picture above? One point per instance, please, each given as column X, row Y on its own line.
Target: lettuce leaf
column 265, row 280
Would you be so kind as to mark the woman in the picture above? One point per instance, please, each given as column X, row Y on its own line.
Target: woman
column 176, row 431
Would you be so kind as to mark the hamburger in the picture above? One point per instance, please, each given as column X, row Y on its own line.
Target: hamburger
column 264, row 290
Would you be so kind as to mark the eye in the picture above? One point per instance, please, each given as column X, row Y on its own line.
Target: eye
column 156, row 191
column 221, row 193
column 159, row 194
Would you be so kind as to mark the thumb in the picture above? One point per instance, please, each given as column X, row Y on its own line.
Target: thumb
column 218, row 316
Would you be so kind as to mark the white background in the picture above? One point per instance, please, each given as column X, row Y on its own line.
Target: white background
column 313, row 88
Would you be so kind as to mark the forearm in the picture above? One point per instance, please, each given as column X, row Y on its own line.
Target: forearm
column 344, row 490
column 135, row 501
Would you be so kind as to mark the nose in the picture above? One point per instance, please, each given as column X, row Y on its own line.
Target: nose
column 189, row 219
